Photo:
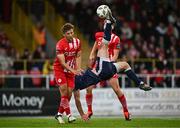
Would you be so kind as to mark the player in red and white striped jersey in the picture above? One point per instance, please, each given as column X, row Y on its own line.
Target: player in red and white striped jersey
column 66, row 65
column 113, row 46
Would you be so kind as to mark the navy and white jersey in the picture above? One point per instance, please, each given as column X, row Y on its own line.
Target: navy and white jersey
column 85, row 80
column 104, row 68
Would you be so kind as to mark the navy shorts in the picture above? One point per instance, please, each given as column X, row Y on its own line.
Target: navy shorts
column 85, row 80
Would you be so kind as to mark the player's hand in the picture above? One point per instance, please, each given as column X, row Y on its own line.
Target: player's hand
column 85, row 117
column 80, row 71
column 76, row 72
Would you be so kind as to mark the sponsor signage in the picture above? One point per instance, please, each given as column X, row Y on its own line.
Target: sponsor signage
column 152, row 103
column 28, row 102
column 164, row 102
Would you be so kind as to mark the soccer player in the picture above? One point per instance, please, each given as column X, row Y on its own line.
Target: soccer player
column 66, row 66
column 113, row 49
column 104, row 70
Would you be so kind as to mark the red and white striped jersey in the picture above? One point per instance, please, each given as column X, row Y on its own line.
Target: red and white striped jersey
column 70, row 50
column 114, row 42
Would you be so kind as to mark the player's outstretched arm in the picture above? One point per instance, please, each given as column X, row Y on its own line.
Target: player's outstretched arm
column 79, row 106
column 93, row 55
column 78, row 60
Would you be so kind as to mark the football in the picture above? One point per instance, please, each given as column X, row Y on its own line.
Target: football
column 102, row 11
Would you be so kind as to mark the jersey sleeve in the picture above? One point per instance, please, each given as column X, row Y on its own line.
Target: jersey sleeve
column 59, row 48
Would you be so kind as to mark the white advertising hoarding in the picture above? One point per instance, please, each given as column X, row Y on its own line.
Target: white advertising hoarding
column 155, row 102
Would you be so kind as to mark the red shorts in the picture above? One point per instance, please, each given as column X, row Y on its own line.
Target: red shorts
column 64, row 78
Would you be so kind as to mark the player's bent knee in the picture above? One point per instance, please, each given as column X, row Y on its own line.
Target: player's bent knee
column 127, row 65
column 123, row 65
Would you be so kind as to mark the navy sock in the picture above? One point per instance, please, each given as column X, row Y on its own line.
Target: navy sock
column 107, row 31
column 133, row 77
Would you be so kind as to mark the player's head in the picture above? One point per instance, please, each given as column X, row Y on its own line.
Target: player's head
column 68, row 31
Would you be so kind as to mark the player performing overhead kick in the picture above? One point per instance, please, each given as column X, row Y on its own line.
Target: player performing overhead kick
column 104, row 69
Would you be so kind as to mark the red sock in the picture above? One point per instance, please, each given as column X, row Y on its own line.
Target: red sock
column 122, row 99
column 61, row 108
column 89, row 98
column 65, row 104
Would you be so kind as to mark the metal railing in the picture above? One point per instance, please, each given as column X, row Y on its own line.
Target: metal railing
column 149, row 63
column 25, row 81
column 155, row 80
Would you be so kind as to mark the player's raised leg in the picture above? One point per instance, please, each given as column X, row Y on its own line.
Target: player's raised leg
column 129, row 72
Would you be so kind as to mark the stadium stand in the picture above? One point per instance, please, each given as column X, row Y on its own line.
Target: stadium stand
column 148, row 29
column 149, row 32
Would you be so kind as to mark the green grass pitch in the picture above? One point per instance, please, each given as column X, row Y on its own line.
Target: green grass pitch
column 50, row 122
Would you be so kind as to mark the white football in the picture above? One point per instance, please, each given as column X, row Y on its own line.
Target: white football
column 102, row 11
